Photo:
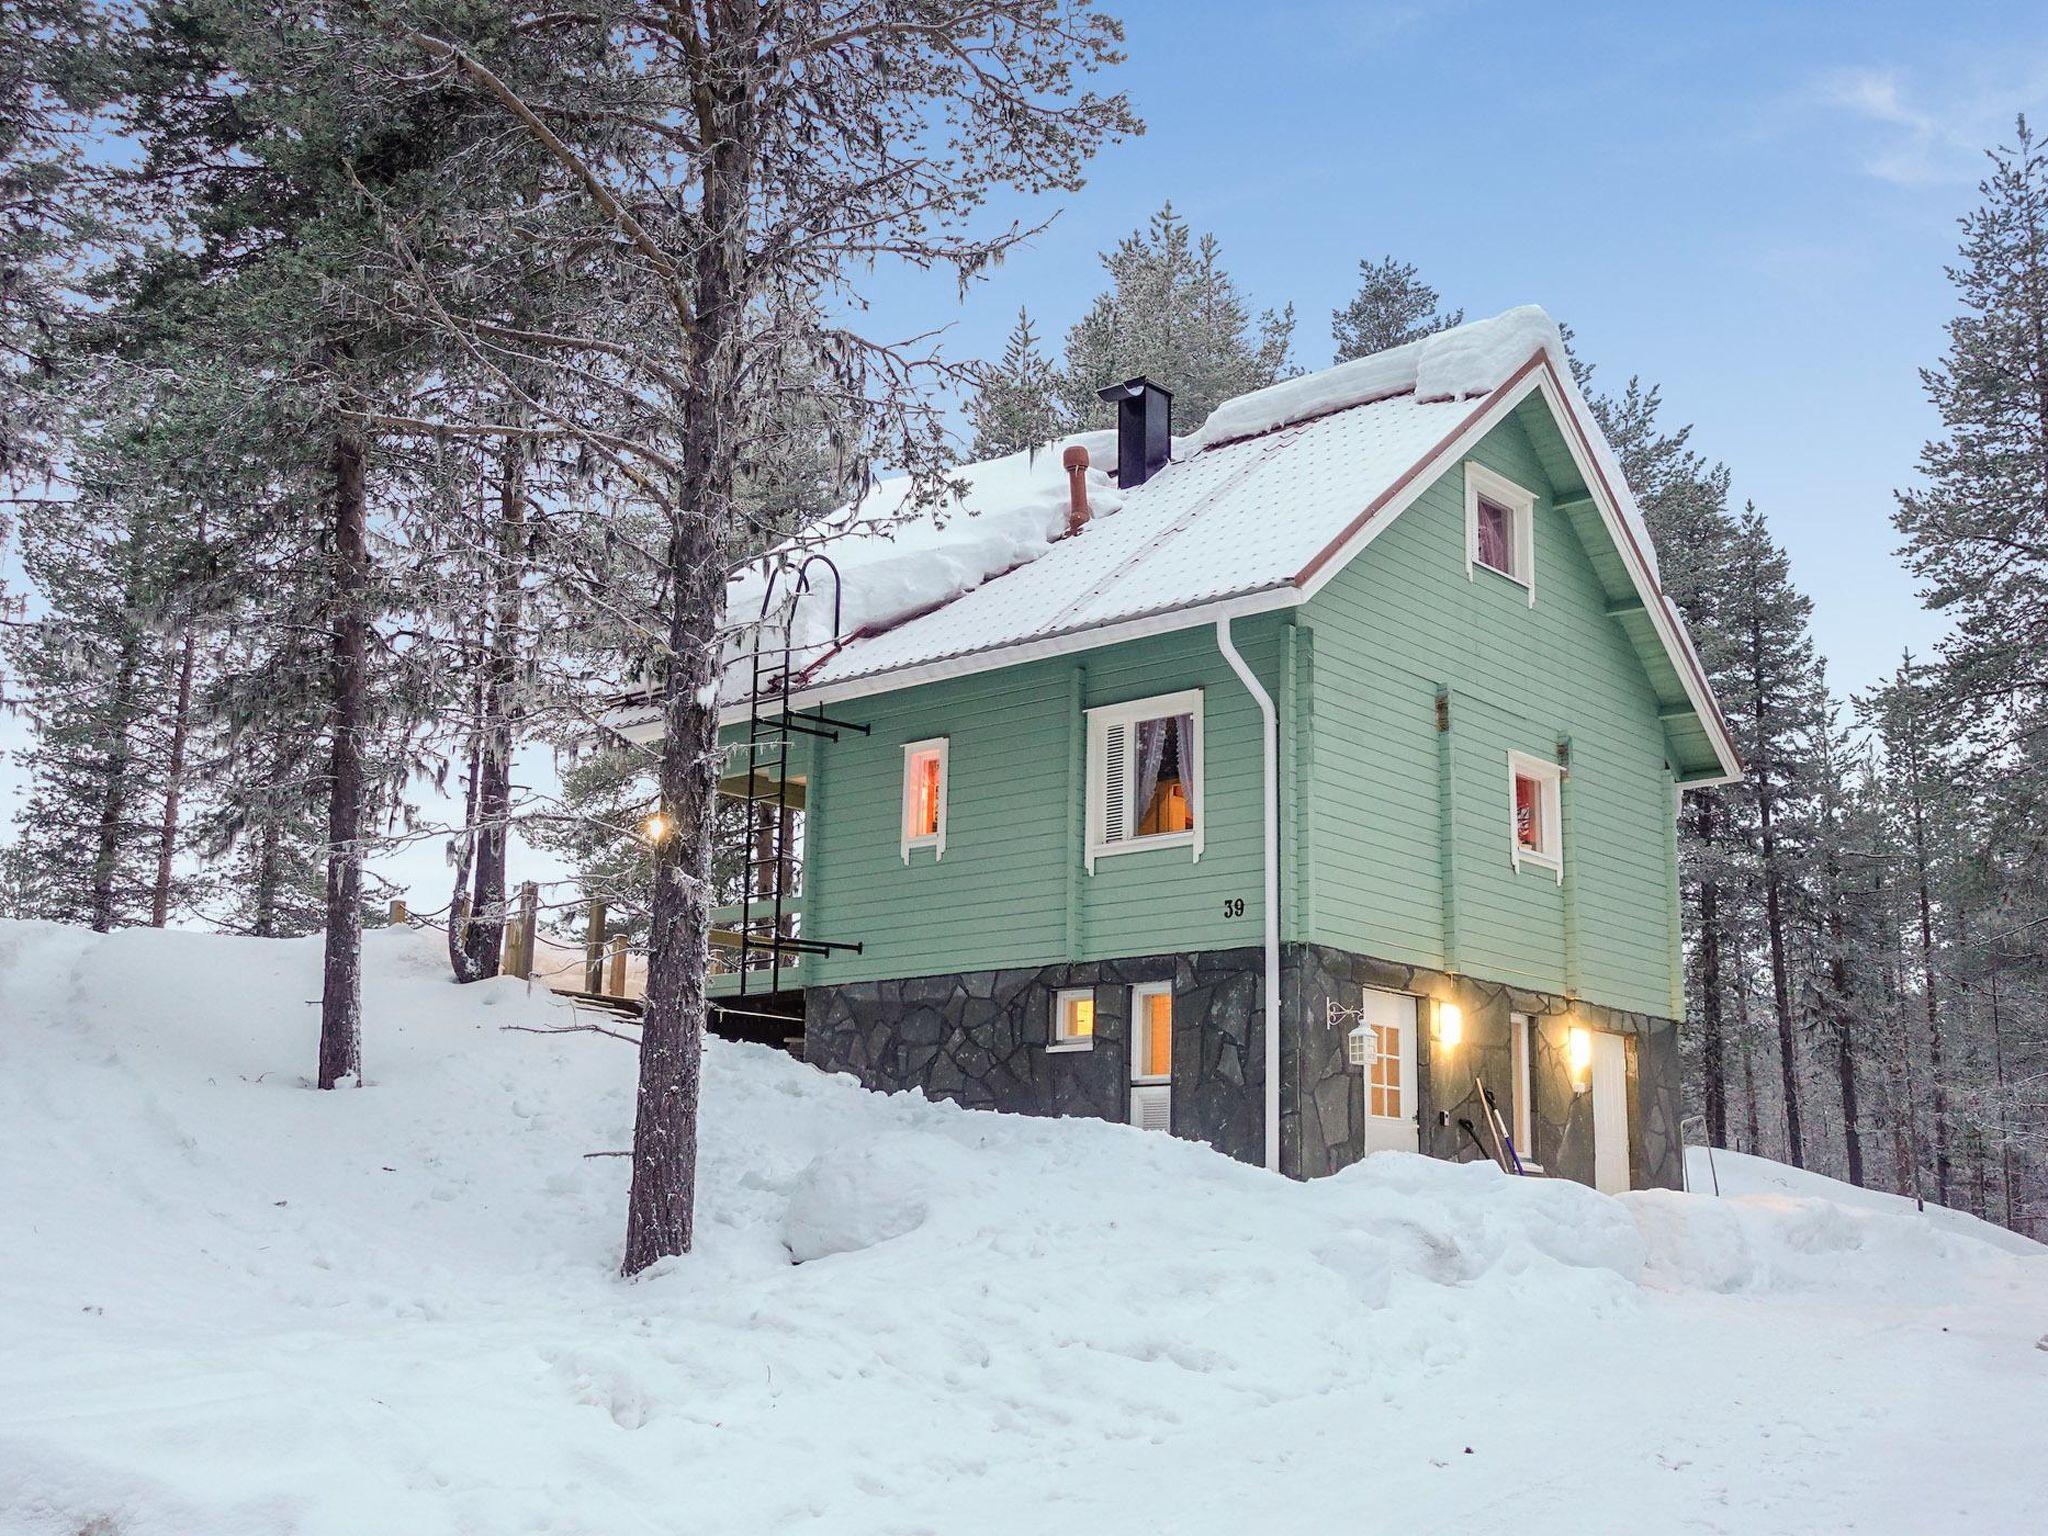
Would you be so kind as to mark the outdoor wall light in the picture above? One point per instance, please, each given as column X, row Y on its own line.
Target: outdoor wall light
column 1450, row 1025
column 1579, row 1051
column 656, row 828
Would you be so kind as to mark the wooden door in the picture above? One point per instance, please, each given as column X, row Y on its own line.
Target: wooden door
column 1152, row 1056
column 1610, row 1113
column 1389, row 1019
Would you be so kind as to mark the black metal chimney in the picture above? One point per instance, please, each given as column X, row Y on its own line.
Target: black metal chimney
column 1144, row 428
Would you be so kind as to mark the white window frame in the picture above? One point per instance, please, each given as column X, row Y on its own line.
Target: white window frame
column 936, row 841
column 1103, row 839
column 1521, row 505
column 1055, row 1040
column 1139, row 993
column 1522, row 1031
column 1550, row 827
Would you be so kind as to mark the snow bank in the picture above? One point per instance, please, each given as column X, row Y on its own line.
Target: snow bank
column 236, row 1305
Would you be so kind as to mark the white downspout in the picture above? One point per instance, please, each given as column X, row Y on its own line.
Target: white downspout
column 1270, row 734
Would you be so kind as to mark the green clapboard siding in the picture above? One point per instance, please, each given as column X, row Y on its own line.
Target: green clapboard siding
column 1412, row 828
column 1012, row 889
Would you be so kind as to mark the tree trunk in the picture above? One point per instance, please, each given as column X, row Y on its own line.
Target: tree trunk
column 114, row 790
column 660, row 1216
column 1781, row 981
column 661, row 1208
column 1937, row 1084
column 1713, row 1049
column 174, row 783
column 341, row 1021
column 494, row 791
column 1840, row 1011
column 2005, row 1167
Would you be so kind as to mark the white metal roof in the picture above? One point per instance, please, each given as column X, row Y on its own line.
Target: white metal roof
column 1240, row 518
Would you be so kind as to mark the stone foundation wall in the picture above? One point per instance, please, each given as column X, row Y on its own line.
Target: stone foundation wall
column 1323, row 1102
column 980, row 1039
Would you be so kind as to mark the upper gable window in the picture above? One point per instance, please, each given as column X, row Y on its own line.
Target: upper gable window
column 924, row 797
column 1145, row 775
column 1535, row 825
column 1500, row 532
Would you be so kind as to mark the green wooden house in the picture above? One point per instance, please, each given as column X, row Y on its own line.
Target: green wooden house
column 1358, row 711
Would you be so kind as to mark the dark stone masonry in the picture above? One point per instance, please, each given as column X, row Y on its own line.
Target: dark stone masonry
column 980, row 1038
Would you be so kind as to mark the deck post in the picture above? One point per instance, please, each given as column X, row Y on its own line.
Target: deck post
column 617, row 986
column 523, row 933
column 593, row 949
column 398, row 915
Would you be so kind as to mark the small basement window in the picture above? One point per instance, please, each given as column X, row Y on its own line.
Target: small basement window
column 1073, row 1020
column 924, row 797
column 1535, row 827
column 1500, row 520
column 1145, row 775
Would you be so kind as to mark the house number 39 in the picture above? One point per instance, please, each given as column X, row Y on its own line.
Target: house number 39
column 1233, row 906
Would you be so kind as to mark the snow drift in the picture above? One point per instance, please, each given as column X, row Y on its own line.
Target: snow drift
column 230, row 1304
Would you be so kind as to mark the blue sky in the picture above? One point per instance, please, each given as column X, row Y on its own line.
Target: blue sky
column 1749, row 204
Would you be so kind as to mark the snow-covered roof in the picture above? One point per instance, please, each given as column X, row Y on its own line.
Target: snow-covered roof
column 1254, row 501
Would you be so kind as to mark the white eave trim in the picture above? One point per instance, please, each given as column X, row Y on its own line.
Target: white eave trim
column 1072, row 643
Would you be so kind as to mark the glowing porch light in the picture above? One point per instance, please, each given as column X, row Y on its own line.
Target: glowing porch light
column 655, row 828
column 1579, row 1049
column 1450, row 1025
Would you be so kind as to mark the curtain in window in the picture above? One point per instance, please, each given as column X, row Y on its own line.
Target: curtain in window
column 1151, row 756
column 1154, row 737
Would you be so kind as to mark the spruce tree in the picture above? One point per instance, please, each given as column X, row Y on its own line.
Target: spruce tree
column 1393, row 306
column 1016, row 403
column 1174, row 315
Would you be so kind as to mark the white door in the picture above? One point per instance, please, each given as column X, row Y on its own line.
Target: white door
column 1610, row 1113
column 1389, row 1020
column 1152, row 1056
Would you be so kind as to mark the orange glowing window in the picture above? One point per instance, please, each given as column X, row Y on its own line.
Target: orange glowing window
column 1152, row 1026
column 1383, row 1072
column 924, row 797
column 1073, row 1018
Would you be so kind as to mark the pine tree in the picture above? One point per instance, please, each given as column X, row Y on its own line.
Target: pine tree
column 687, row 181
column 1016, row 403
column 1977, row 533
column 49, row 52
column 1174, row 315
column 1393, row 306
column 284, row 143
column 1684, row 501
column 1921, row 776
column 101, row 669
column 1775, row 702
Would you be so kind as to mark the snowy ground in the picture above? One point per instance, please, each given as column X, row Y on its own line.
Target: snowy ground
column 229, row 1304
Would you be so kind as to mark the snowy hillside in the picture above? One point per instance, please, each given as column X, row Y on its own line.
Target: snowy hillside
column 232, row 1305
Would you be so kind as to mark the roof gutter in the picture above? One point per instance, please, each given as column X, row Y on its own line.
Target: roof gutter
column 1269, row 731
